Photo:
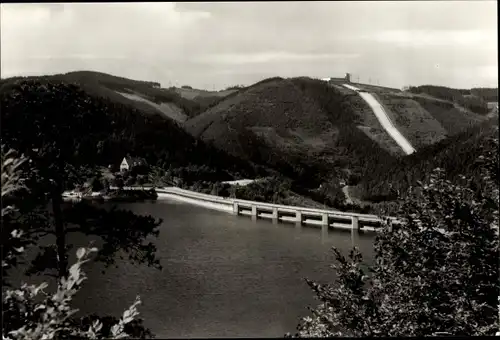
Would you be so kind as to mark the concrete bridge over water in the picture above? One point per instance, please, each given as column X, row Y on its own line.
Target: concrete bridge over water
column 275, row 212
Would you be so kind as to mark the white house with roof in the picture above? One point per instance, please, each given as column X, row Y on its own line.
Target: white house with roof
column 129, row 162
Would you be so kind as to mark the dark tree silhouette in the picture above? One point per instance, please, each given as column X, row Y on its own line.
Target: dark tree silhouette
column 58, row 127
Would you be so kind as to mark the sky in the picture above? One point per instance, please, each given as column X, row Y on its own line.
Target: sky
column 216, row 45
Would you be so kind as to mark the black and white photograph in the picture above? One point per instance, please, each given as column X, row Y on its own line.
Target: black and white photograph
column 249, row 169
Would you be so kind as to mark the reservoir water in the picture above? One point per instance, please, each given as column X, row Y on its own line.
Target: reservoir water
column 223, row 275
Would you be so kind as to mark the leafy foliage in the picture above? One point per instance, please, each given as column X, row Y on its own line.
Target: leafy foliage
column 272, row 190
column 13, row 240
column 436, row 273
column 29, row 312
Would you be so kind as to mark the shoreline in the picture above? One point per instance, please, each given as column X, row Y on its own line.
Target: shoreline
column 282, row 213
column 126, row 195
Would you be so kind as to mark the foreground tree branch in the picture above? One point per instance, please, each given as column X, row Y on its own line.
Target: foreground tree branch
column 28, row 312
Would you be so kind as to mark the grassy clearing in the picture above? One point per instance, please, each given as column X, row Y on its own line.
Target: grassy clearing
column 418, row 126
column 169, row 110
column 193, row 94
column 453, row 119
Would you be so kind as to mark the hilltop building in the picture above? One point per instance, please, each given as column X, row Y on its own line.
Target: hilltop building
column 346, row 79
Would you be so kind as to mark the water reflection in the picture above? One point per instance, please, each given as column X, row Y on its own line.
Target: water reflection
column 355, row 234
column 324, row 234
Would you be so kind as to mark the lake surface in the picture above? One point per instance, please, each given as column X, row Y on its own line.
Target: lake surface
column 223, row 275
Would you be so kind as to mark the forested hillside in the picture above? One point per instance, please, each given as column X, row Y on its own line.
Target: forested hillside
column 302, row 127
column 203, row 98
column 114, row 129
column 123, row 90
column 473, row 99
column 316, row 136
column 317, row 133
column 454, row 154
column 485, row 93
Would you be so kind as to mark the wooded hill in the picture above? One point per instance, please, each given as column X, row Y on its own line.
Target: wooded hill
column 319, row 133
column 115, row 129
column 145, row 96
column 307, row 131
column 455, row 155
column 474, row 99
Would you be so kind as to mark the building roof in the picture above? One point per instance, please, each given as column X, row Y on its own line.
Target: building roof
column 133, row 160
column 344, row 78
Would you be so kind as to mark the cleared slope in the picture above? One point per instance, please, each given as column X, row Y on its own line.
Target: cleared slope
column 191, row 94
column 474, row 100
column 368, row 122
column 387, row 124
column 169, row 110
column 452, row 117
column 419, row 126
column 202, row 98
column 424, row 119
column 384, row 120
